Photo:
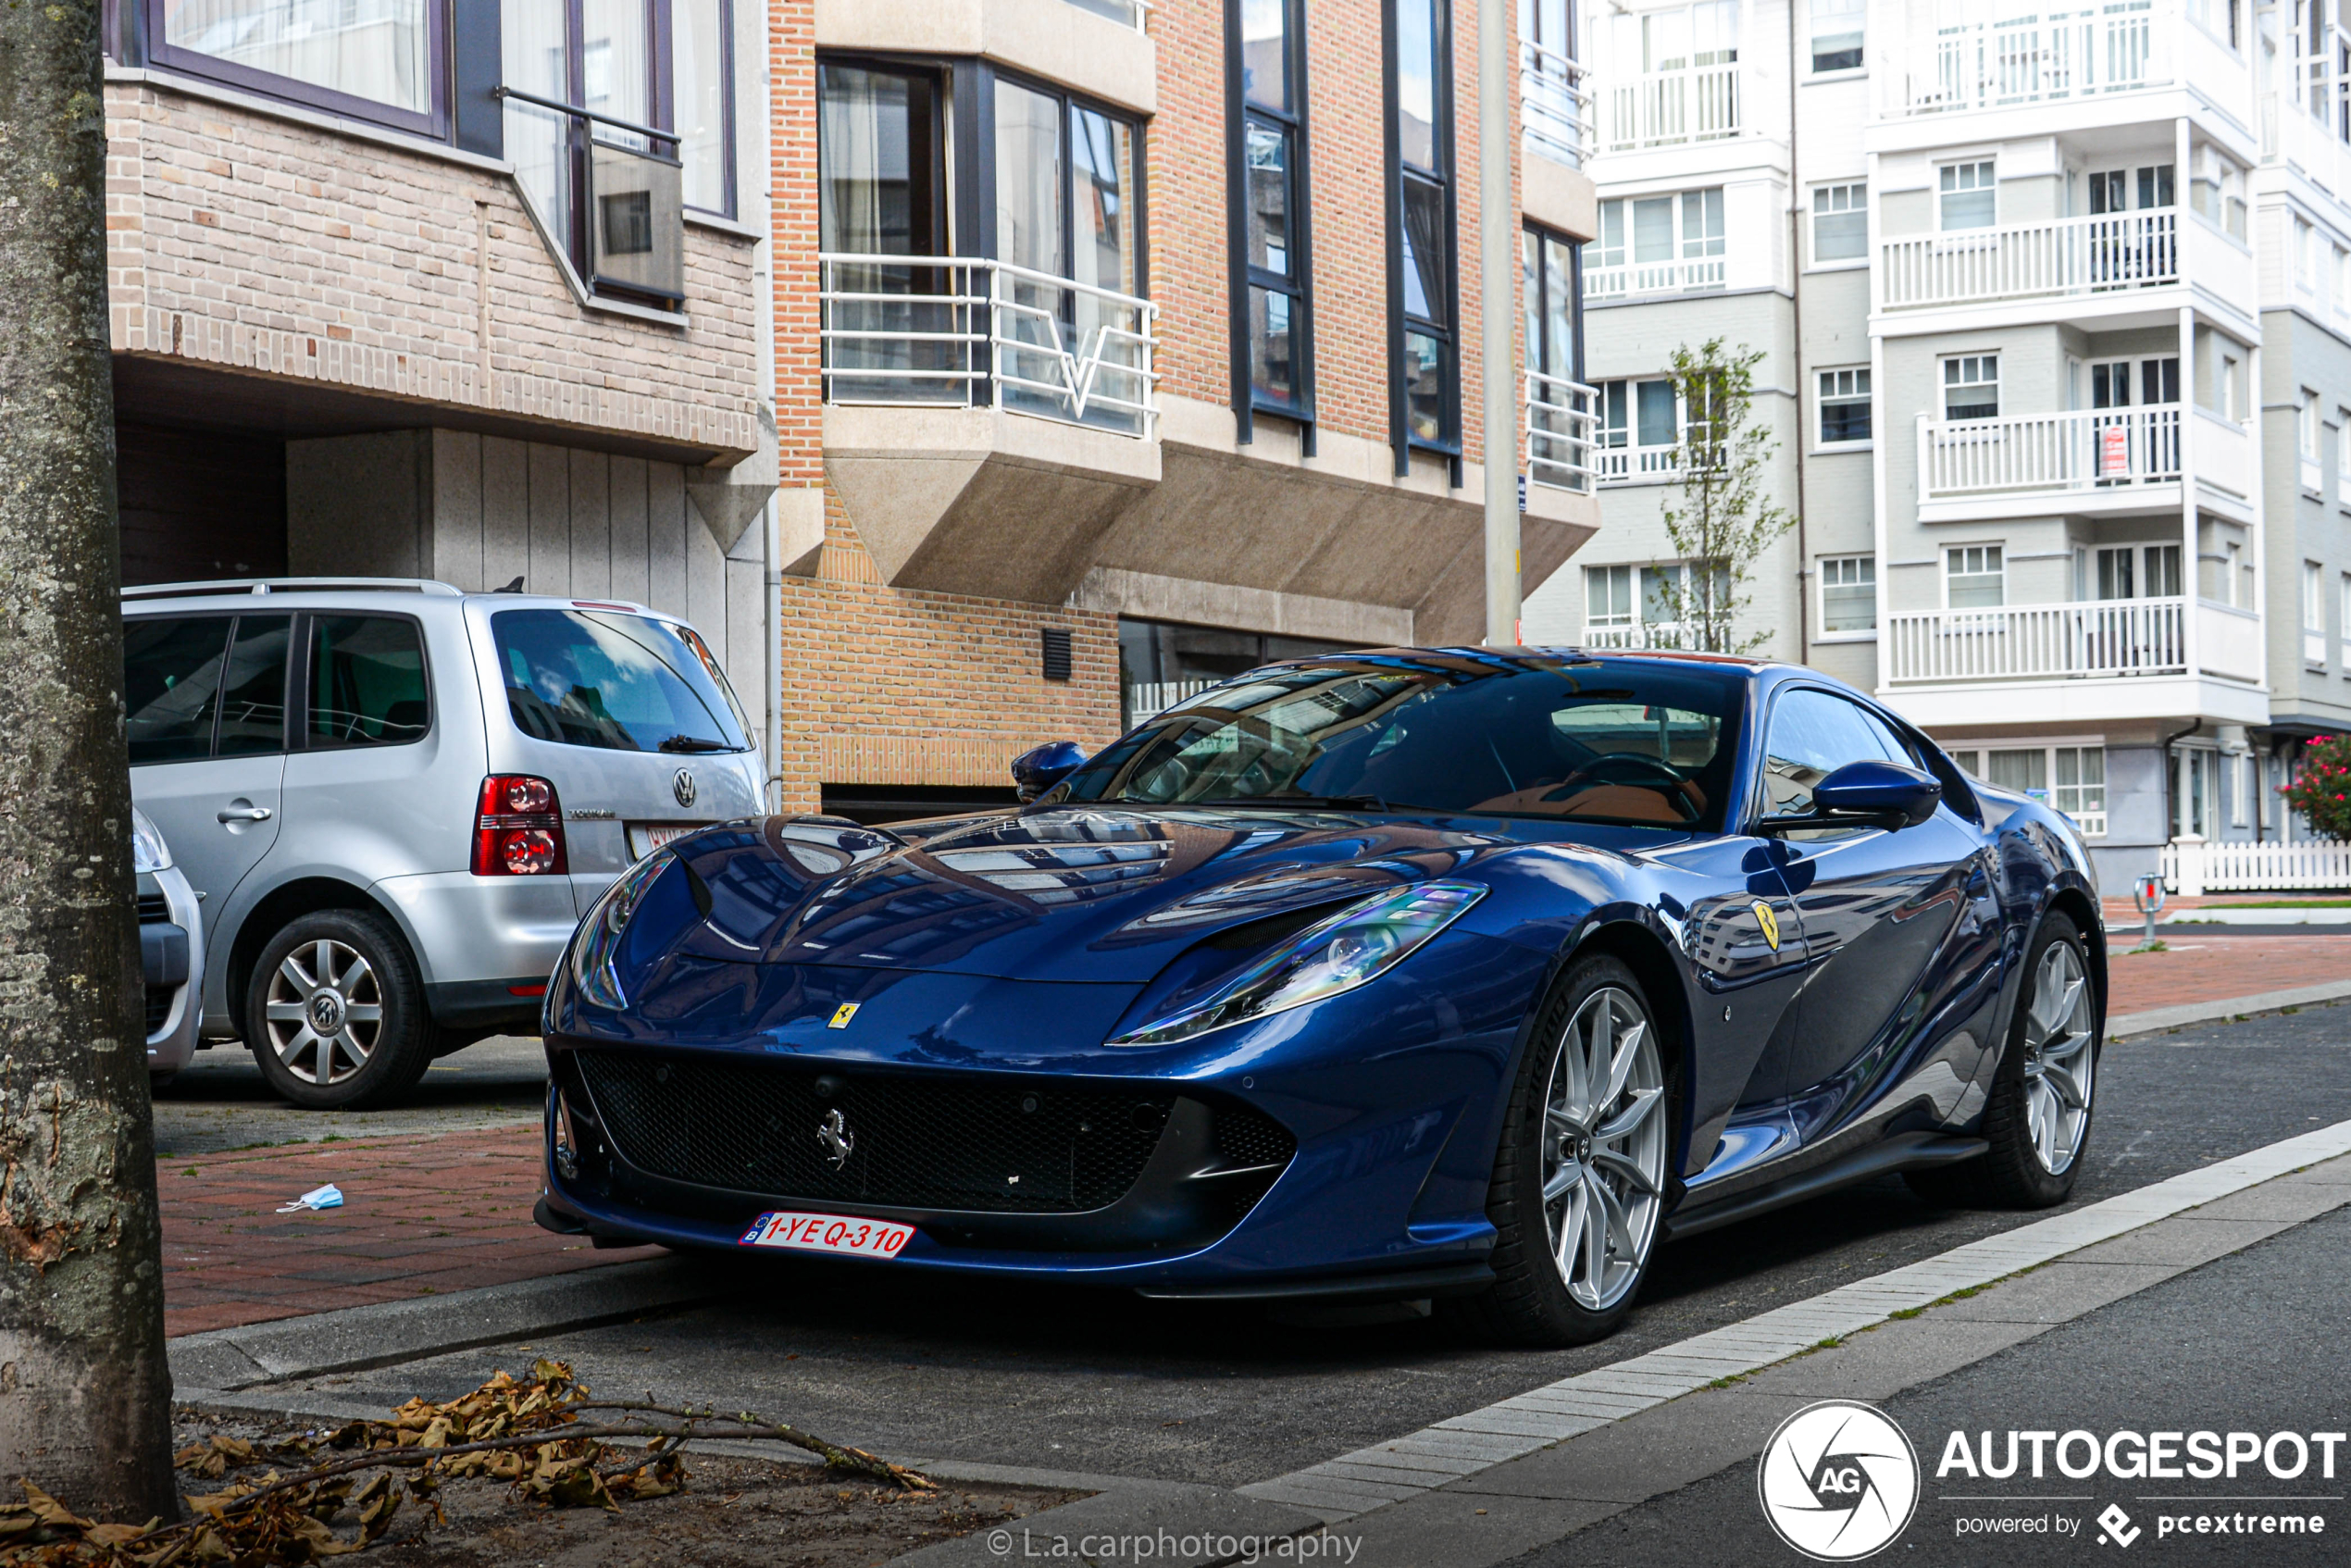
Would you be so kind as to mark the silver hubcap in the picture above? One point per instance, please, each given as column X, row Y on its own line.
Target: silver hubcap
column 2057, row 1059
column 325, row 1009
column 1603, row 1148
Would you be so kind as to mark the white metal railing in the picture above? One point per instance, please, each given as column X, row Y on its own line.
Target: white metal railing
column 1560, row 418
column 1555, row 109
column 2106, row 637
column 2065, row 255
column 2085, row 449
column 919, row 330
column 2046, row 55
column 2192, row 866
column 1637, row 636
column 1149, row 699
column 1680, row 277
column 1661, row 108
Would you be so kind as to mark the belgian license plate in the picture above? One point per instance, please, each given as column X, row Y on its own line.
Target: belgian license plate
column 828, row 1233
column 646, row 837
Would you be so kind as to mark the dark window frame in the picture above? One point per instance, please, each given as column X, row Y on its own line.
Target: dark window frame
column 728, row 112
column 1239, row 115
column 1395, row 173
column 1069, row 98
column 303, row 673
column 433, row 124
column 1538, row 302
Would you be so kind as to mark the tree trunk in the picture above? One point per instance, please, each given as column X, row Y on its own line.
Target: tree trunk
column 84, row 1390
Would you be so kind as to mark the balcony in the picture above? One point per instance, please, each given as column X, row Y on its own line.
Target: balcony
column 2119, row 636
column 1670, row 109
column 2062, row 55
column 2102, row 459
column 2064, row 257
column 1559, row 432
column 1692, row 275
column 1555, row 109
column 928, row 332
column 1641, row 637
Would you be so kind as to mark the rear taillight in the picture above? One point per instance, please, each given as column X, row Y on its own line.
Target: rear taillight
column 519, row 828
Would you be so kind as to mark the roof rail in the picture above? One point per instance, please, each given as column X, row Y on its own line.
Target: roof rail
column 292, row 584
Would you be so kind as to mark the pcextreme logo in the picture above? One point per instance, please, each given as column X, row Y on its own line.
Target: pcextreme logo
column 1838, row 1481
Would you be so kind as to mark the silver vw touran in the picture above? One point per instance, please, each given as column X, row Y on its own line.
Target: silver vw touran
column 395, row 799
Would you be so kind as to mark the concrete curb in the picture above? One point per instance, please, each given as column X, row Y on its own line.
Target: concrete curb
column 2159, row 1020
column 224, row 1361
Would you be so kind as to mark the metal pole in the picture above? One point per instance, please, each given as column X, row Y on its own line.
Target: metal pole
column 1497, row 231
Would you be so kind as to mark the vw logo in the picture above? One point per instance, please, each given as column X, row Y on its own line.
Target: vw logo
column 326, row 1012
column 838, row 1139
column 1838, row 1481
column 682, row 786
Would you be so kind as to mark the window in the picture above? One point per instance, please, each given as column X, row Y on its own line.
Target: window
column 2305, row 254
column 1845, row 406
column 1836, row 34
column 1274, row 264
column 2135, row 571
column 372, row 59
column 1973, row 576
column 172, row 685
column 1650, row 244
column 2240, row 788
column 614, row 682
column 1162, row 662
column 1426, row 397
column 1675, row 602
column 2191, row 799
column 1701, row 223
column 1840, row 222
column 1968, row 196
column 2111, row 189
column 367, row 683
column 2342, row 455
column 2305, row 439
column 1555, row 447
column 1849, row 593
column 701, row 34
column 880, row 192
column 1971, row 387
column 2313, row 616
column 2079, row 773
column 2216, row 190
column 1811, row 735
column 1608, row 597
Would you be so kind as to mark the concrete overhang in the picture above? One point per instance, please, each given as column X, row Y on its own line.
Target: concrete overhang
column 1559, row 198
column 1051, row 39
column 2086, row 702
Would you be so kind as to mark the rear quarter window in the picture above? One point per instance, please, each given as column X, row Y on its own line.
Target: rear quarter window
column 613, row 681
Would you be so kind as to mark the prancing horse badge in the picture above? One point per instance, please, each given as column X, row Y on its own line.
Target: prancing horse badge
column 848, row 1010
column 1769, row 922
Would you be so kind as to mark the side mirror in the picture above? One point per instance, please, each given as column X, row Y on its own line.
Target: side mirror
column 1867, row 794
column 1035, row 772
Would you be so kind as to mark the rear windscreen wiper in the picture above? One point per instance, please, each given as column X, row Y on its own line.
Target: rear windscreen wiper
column 694, row 743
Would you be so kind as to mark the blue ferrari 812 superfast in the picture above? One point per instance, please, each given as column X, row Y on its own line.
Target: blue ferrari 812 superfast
column 1461, row 974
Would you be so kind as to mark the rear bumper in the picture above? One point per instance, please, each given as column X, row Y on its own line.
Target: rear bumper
column 468, row 1005
column 486, row 932
column 171, row 960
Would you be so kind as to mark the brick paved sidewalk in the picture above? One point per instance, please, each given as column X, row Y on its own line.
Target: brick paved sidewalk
column 419, row 1216
column 2206, row 967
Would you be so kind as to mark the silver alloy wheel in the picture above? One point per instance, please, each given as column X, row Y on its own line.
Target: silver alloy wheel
column 326, row 1015
column 1603, row 1160
column 2059, row 1062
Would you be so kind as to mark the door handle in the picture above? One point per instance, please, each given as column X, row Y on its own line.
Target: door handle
column 245, row 814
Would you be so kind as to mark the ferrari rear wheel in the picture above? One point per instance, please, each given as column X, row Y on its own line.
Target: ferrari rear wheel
column 1580, row 1172
column 2039, row 1120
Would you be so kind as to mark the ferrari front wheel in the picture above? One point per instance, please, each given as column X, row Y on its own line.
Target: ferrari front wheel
column 1579, row 1173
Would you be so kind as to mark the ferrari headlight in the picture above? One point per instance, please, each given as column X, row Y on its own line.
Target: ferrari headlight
column 596, row 951
column 1357, row 945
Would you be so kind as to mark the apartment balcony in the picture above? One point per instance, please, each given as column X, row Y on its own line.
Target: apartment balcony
column 1555, row 105
column 1640, row 636
column 2090, row 461
column 2074, row 58
column 1694, row 275
column 2144, row 265
column 983, row 423
column 1561, row 433
column 2097, row 659
column 1671, row 108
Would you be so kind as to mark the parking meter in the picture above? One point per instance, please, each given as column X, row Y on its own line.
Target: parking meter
column 2148, row 893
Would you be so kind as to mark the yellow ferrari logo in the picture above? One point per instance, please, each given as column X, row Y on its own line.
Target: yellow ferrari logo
column 848, row 1010
column 1764, row 917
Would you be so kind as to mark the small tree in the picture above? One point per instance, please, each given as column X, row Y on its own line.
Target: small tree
column 2321, row 792
column 1723, row 523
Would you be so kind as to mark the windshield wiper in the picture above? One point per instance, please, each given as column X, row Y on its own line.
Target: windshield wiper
column 694, row 743
column 1321, row 803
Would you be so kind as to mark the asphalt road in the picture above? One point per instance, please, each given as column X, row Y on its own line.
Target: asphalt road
column 1086, row 1380
column 2255, row 1342
column 220, row 1100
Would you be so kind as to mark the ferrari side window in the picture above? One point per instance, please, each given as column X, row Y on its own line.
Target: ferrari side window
column 1811, row 736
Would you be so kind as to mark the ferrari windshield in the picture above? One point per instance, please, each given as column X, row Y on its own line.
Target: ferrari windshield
column 1633, row 741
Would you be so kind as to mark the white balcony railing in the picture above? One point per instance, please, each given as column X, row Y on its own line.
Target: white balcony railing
column 2111, row 637
column 1664, row 108
column 1655, row 277
column 1555, row 107
column 1637, row 636
column 2046, row 55
column 928, row 330
column 2089, row 449
column 2066, row 256
column 1622, row 463
column 1560, row 420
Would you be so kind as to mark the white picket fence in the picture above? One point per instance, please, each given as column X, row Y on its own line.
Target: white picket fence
column 2192, row 867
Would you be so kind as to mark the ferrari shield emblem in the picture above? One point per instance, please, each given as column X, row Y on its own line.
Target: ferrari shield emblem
column 848, row 1010
column 1764, row 917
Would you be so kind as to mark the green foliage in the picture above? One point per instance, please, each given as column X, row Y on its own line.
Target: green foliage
column 2322, row 792
column 1720, row 523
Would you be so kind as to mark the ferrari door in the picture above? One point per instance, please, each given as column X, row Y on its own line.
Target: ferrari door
column 1885, row 916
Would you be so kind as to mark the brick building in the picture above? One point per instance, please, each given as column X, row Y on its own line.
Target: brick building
column 1119, row 347
column 468, row 290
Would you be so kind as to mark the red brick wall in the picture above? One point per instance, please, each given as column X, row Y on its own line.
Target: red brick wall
column 791, row 100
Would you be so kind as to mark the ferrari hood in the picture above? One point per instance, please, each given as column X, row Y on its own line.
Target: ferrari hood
column 1072, row 894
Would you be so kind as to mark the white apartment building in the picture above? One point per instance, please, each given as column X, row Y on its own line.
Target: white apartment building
column 2055, row 309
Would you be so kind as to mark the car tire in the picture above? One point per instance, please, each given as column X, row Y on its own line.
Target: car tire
column 2039, row 1120
column 1551, row 1136
column 335, row 1013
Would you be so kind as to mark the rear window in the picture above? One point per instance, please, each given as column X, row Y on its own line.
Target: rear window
column 613, row 680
